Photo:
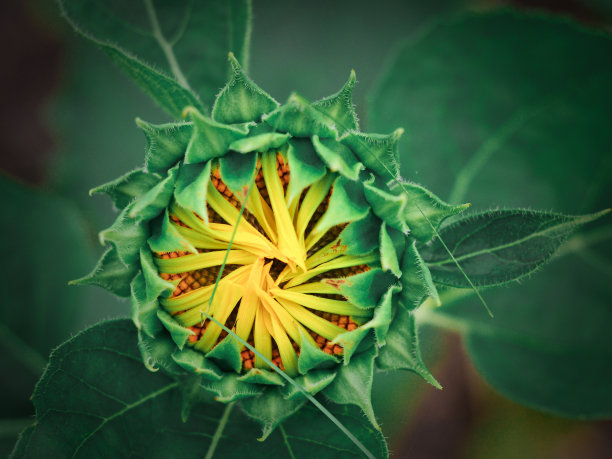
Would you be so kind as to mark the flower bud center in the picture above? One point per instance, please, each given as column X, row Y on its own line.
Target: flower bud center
column 281, row 287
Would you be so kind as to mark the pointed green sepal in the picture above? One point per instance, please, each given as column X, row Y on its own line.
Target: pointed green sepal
column 377, row 152
column 155, row 285
column 262, row 376
column 389, row 207
column 361, row 236
column 383, row 315
column 353, row 341
column 306, row 167
column 364, row 289
column 191, row 186
column 260, row 143
column 424, row 211
column 340, row 108
column 193, row 395
column 210, row 139
column 154, row 201
column 241, row 100
column 313, row 382
column 338, row 157
column 353, row 384
column 111, row 274
column 127, row 235
column 166, row 238
column 178, row 333
column 195, row 362
column 401, row 351
column 347, row 203
column 166, row 144
column 157, row 353
column 226, row 354
column 229, row 388
column 312, row 357
column 127, row 187
column 270, row 409
column 238, row 171
column 416, row 280
column 300, row 119
column 144, row 313
column 389, row 259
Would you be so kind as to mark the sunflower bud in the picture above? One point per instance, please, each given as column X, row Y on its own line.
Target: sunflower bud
column 286, row 225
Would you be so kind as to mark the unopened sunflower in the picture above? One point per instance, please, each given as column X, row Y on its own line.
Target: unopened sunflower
column 270, row 235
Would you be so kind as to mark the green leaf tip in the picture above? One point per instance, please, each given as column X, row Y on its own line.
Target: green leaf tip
column 111, row 274
column 241, row 100
column 339, row 107
column 377, row 151
column 498, row 247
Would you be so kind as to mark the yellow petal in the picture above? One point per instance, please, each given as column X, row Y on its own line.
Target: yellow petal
column 288, row 243
column 312, row 321
column 344, row 261
column 263, row 340
column 203, row 260
column 316, row 302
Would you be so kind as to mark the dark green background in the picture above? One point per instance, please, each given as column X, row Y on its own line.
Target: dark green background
column 67, row 126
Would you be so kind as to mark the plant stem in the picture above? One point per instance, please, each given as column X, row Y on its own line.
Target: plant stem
column 219, row 432
column 165, row 45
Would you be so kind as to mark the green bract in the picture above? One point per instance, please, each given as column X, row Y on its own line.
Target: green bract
column 288, row 226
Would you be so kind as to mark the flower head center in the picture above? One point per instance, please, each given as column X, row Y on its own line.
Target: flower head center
column 280, row 288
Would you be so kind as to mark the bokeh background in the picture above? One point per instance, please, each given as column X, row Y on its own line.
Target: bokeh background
column 67, row 124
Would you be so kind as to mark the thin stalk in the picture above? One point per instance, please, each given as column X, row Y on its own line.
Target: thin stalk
column 219, row 432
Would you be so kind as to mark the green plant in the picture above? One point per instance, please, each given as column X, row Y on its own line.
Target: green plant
column 394, row 225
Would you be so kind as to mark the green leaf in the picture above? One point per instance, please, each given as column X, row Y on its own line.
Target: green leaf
column 402, row 351
column 416, row 279
column 549, row 346
column 365, row 289
column 353, row 384
column 166, row 144
column 125, row 188
column 513, row 125
column 237, row 170
column 377, row 152
column 110, row 273
column 191, row 187
column 346, row 204
column 305, row 165
column 388, row 207
column 339, row 106
column 153, row 202
column 338, row 157
column 210, row 139
column 298, row 118
column 501, row 122
column 270, row 409
column 388, row 256
column 166, row 238
column 155, row 285
column 144, row 312
column 97, row 399
column 501, row 246
column 127, row 235
column 168, row 34
column 424, row 211
column 241, row 100
column 259, row 143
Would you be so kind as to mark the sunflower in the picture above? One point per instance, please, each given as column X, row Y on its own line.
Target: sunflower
column 270, row 239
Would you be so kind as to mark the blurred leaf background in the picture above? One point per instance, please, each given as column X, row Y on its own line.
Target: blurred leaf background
column 68, row 125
